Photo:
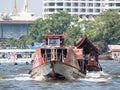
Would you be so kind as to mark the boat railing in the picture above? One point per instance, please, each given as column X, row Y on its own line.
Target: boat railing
column 59, row 57
column 48, row 57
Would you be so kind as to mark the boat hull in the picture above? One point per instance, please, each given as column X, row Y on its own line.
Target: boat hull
column 56, row 70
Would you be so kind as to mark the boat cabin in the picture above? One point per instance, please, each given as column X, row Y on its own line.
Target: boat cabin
column 90, row 52
column 53, row 50
column 114, row 51
column 55, row 40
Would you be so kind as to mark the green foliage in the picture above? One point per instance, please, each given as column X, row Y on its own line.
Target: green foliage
column 104, row 30
column 57, row 23
column 37, row 31
column 73, row 33
column 9, row 42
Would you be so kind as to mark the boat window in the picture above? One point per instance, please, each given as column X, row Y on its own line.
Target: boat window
column 54, row 41
column 22, row 54
column 46, row 54
column 19, row 56
column 2, row 55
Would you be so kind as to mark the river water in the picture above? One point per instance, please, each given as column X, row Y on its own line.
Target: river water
column 16, row 77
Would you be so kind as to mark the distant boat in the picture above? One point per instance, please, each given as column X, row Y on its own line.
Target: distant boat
column 90, row 52
column 57, row 61
column 16, row 56
column 114, row 52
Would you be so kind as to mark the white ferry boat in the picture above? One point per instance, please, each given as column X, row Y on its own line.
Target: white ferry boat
column 16, row 56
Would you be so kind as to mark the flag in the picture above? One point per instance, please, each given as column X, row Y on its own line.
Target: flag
column 13, row 57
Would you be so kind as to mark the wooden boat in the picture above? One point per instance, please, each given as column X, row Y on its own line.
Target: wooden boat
column 56, row 61
column 90, row 52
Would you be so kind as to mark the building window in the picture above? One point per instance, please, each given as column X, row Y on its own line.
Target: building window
column 68, row 10
column 51, row 10
column 83, row 4
column 75, row 4
column 51, row 4
column 90, row 10
column 97, row 10
column 45, row 10
column 83, row 10
column 59, row 4
column 97, row 4
column 117, row 4
column 60, row 9
column 75, row 10
column 90, row 4
column 110, row 4
column 68, row 4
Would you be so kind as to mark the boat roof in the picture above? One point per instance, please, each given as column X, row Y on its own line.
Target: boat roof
column 114, row 48
column 17, row 50
column 54, row 36
column 86, row 44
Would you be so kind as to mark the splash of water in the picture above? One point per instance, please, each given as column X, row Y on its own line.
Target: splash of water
column 20, row 77
column 96, row 77
column 39, row 78
column 96, row 74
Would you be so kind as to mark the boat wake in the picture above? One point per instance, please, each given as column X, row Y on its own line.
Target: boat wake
column 20, row 77
column 96, row 74
column 90, row 77
column 96, row 77
column 115, row 75
column 38, row 78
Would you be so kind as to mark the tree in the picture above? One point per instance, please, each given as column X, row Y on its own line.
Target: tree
column 59, row 22
column 56, row 23
column 74, row 32
column 104, row 30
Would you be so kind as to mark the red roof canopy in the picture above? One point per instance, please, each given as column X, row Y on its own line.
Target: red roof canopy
column 54, row 36
column 86, row 44
column 115, row 48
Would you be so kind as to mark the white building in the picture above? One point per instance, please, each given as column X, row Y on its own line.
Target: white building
column 83, row 8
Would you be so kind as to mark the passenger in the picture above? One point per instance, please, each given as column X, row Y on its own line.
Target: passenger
column 3, row 56
column 33, row 57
